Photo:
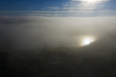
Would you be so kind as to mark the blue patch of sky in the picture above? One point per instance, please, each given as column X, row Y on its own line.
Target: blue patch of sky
column 16, row 5
column 22, row 5
column 45, row 5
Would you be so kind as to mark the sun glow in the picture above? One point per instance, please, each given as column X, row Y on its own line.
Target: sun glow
column 92, row 1
column 87, row 40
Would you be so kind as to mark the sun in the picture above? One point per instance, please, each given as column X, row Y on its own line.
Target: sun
column 87, row 40
column 90, row 1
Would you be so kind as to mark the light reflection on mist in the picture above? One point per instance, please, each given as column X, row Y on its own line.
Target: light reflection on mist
column 32, row 32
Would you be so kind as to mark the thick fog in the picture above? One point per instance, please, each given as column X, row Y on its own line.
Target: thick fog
column 36, row 32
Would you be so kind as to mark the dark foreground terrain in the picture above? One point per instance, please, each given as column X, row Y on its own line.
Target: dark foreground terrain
column 58, row 62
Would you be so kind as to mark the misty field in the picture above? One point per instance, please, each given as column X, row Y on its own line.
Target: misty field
column 49, row 47
column 57, row 38
column 58, row 62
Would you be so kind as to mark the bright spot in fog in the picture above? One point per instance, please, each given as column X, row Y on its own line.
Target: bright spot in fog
column 87, row 40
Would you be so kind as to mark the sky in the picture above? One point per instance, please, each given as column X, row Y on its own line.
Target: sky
column 30, row 24
column 62, row 8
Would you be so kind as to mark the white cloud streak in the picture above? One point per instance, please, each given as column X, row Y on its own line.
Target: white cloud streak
column 54, row 8
column 99, row 1
column 84, row 4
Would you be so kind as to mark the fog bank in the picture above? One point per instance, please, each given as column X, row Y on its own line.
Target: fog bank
column 36, row 32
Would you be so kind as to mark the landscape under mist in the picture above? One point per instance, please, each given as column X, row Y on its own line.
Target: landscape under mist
column 25, row 33
column 50, row 47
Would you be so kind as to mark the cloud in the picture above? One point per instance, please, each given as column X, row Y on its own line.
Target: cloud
column 74, row 8
column 49, row 13
column 54, row 8
column 35, row 32
column 97, row 1
column 85, row 4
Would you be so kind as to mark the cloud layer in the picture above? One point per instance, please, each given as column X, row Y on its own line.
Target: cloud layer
column 98, row 1
column 35, row 32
